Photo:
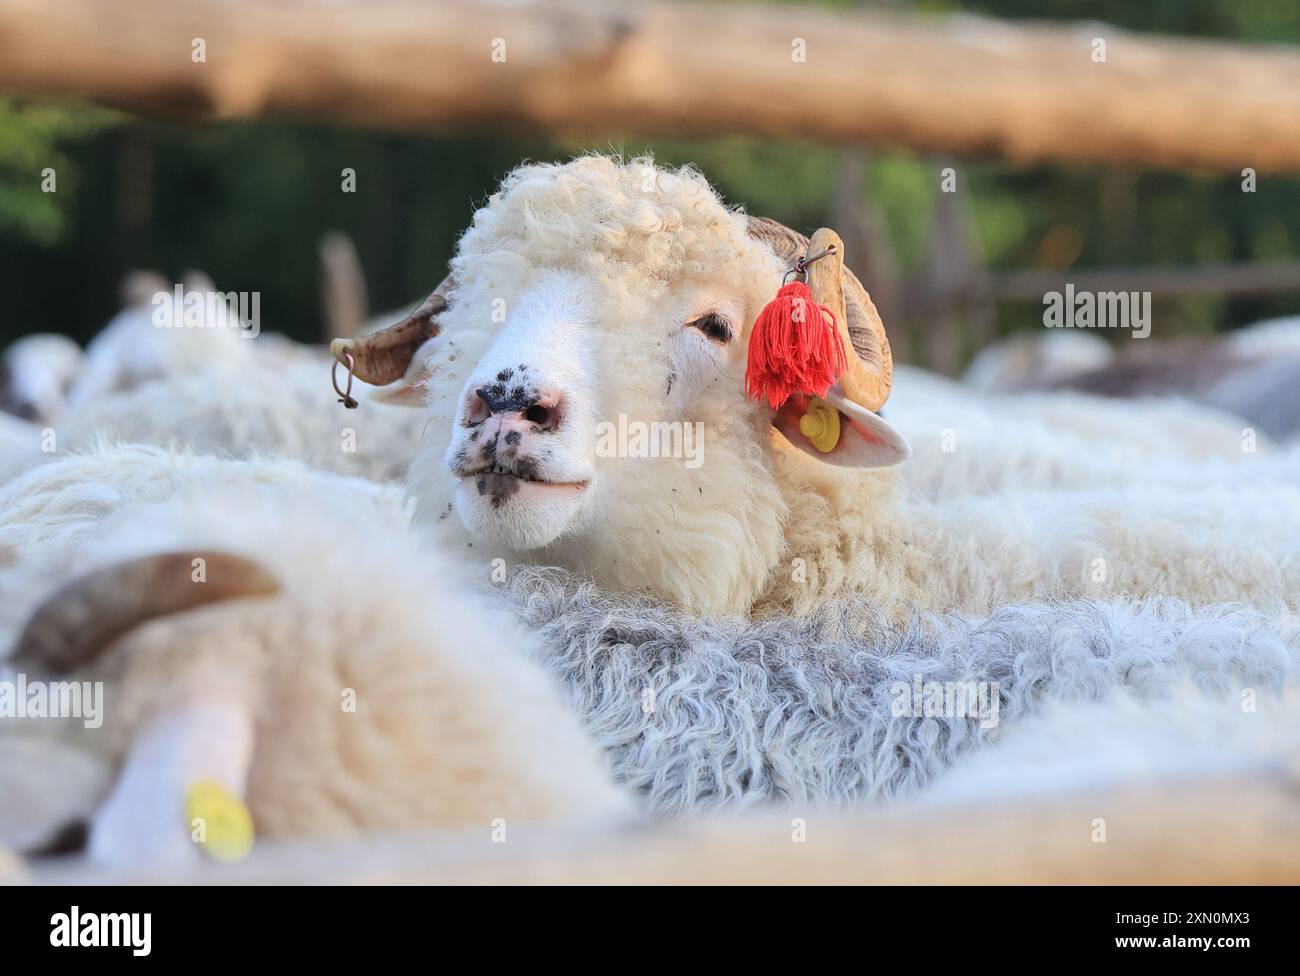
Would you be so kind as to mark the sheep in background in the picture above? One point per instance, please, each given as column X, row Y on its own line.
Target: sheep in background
column 41, row 374
column 1154, row 428
column 133, row 348
column 272, row 402
column 971, row 443
column 195, row 387
column 1032, row 359
column 1264, row 394
column 36, row 374
column 19, row 446
column 1130, row 739
column 1252, row 373
column 256, row 410
column 324, row 670
column 62, row 503
column 627, row 293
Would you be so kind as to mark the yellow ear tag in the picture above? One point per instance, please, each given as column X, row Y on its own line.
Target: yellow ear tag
column 821, row 425
column 219, row 821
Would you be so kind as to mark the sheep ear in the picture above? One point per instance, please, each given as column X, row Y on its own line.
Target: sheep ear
column 385, row 356
column 410, row 389
column 866, row 439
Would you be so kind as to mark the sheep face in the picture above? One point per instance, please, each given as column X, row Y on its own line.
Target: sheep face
column 520, row 446
column 587, row 387
column 584, row 402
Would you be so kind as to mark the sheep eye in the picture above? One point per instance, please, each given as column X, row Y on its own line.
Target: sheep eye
column 714, row 326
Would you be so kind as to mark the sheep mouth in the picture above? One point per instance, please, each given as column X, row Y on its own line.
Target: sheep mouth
column 502, row 479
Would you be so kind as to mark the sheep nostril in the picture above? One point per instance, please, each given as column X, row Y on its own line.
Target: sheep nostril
column 546, row 413
column 478, row 409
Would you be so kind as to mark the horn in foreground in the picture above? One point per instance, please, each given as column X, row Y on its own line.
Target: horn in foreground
column 383, row 357
column 85, row 616
column 871, row 371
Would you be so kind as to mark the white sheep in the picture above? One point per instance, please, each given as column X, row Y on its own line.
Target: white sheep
column 22, row 446
column 171, row 681
column 1251, row 373
column 313, row 662
column 36, row 373
column 163, row 331
column 1127, row 740
column 42, row 375
column 211, row 387
column 965, row 442
column 1036, row 359
column 275, row 403
column 174, row 331
column 63, row 502
column 68, row 518
column 594, row 297
column 1272, row 337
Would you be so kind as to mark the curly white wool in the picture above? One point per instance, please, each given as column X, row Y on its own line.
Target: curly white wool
column 450, row 726
column 761, row 527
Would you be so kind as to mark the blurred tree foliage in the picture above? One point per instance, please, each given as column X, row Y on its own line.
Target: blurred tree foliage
column 30, row 138
column 248, row 203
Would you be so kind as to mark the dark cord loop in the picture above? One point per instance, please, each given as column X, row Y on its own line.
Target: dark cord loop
column 345, row 395
column 801, row 266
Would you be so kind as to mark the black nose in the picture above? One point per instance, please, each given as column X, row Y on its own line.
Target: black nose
column 498, row 400
column 542, row 410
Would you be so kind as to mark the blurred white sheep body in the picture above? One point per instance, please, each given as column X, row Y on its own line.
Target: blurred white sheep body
column 276, row 404
column 1252, row 373
column 341, row 680
column 966, row 442
column 36, row 373
column 168, row 333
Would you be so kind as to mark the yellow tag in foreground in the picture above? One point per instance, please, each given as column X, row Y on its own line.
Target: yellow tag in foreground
column 219, row 821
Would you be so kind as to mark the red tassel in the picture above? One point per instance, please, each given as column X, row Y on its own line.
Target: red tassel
column 795, row 347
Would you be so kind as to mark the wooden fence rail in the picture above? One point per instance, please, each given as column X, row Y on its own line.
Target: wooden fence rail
column 958, row 84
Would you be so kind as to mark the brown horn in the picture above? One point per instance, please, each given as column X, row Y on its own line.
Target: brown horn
column 383, row 357
column 85, row 616
column 871, row 372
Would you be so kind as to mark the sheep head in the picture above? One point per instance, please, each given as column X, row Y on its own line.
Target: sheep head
column 587, row 380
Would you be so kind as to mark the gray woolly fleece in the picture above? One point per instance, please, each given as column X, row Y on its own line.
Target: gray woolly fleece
column 705, row 714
